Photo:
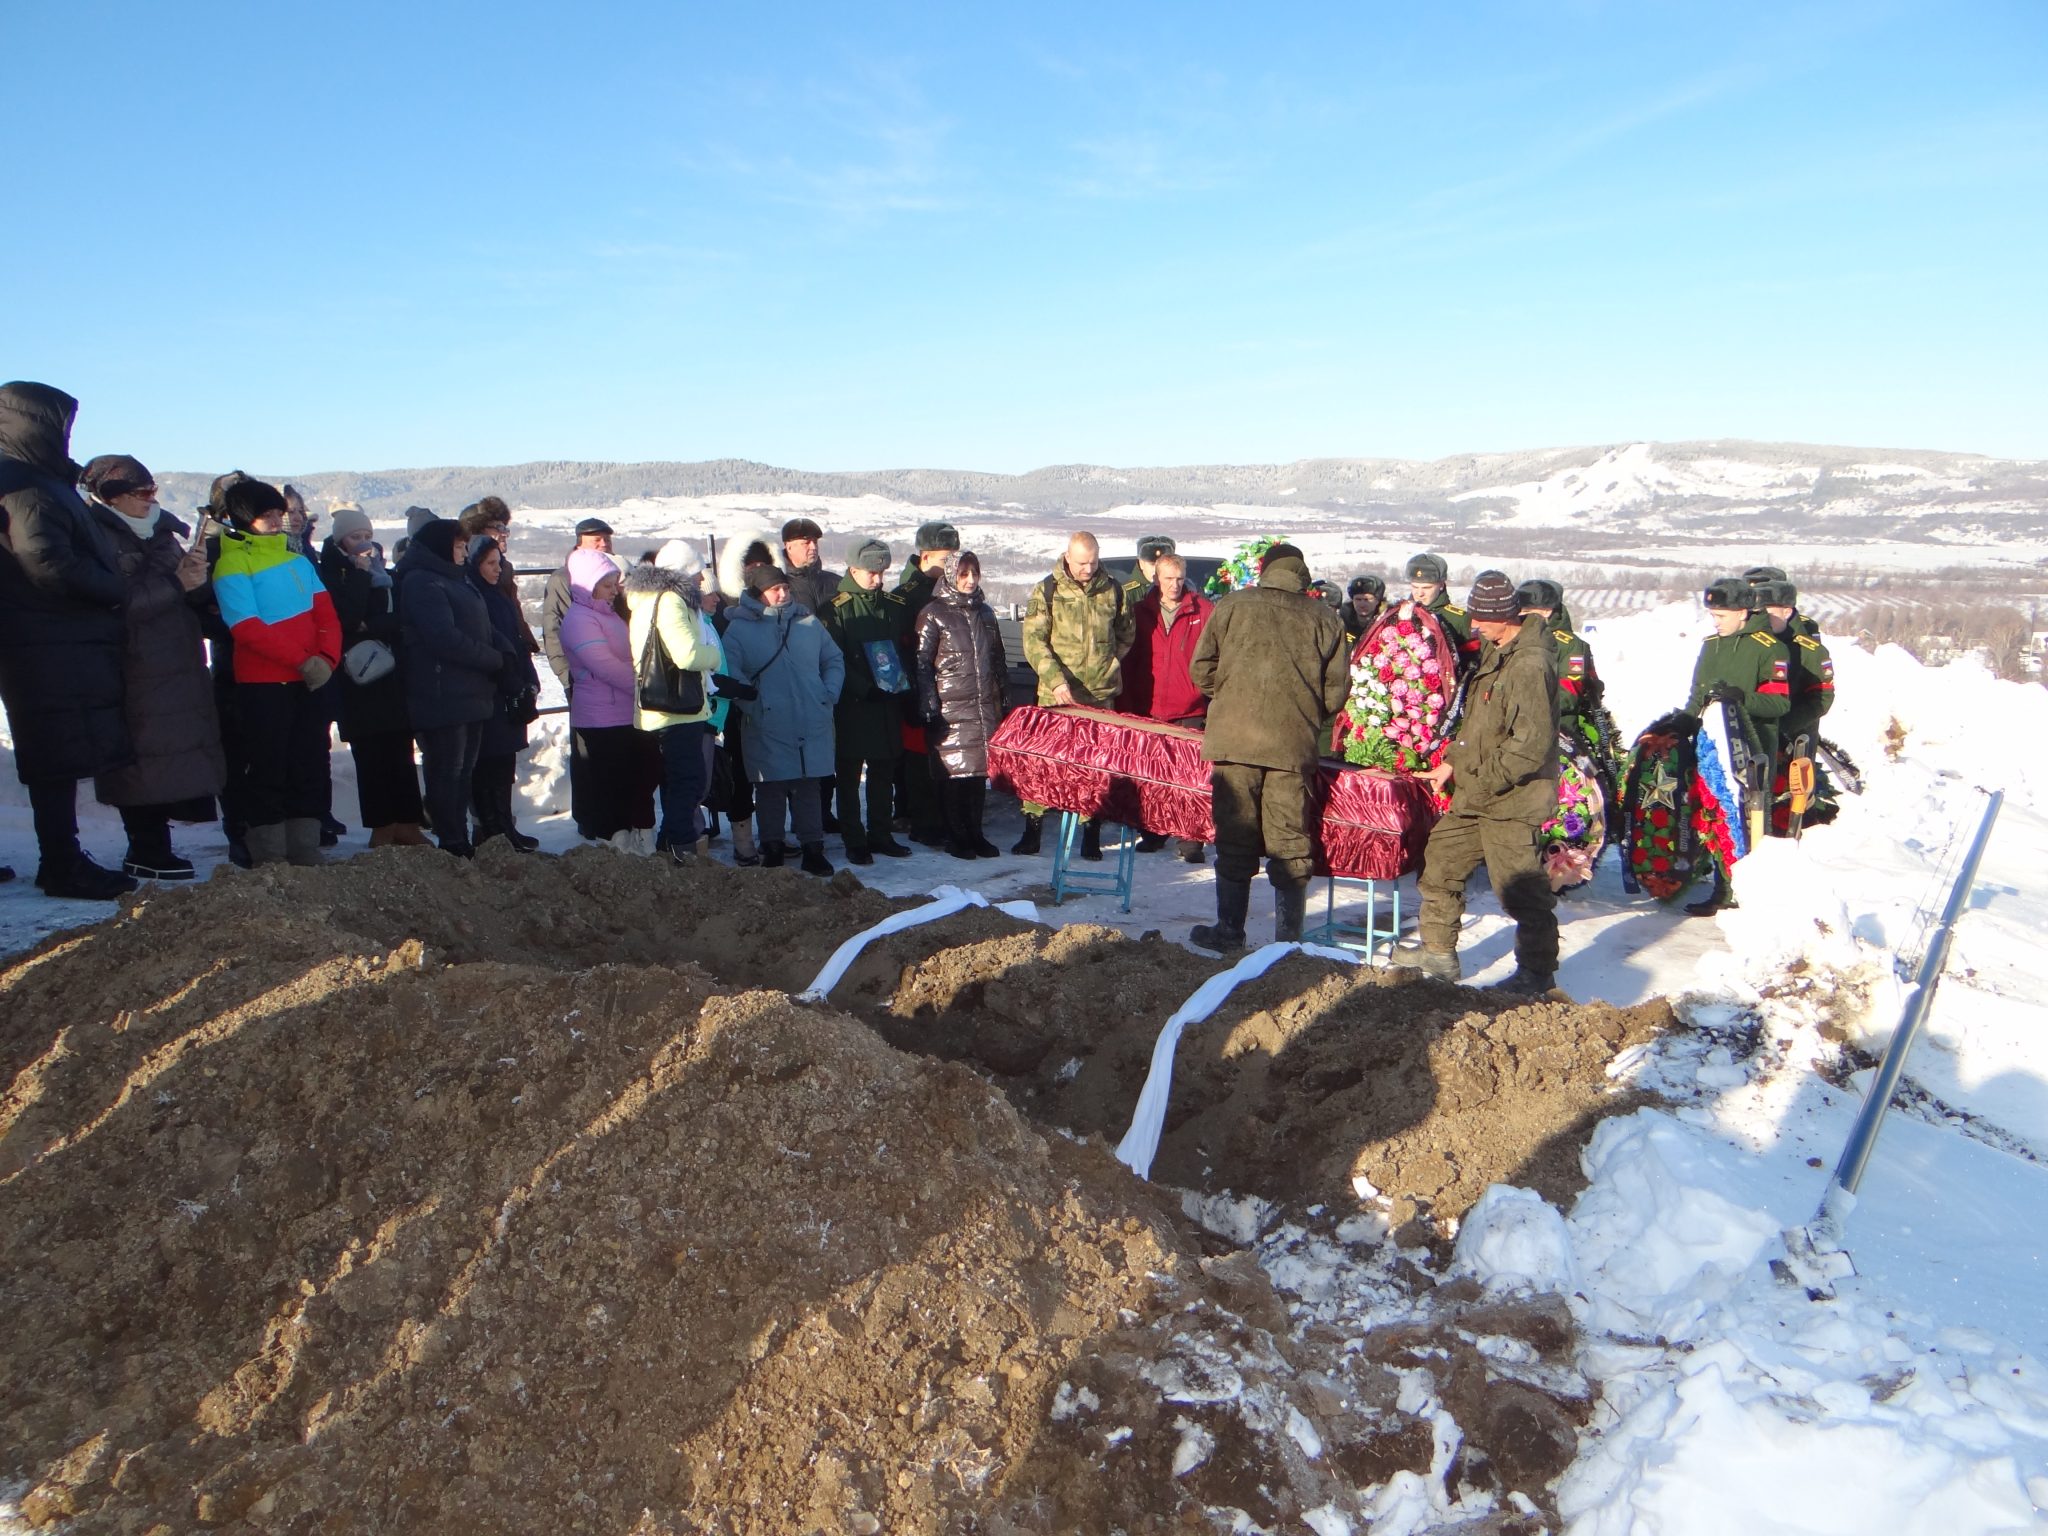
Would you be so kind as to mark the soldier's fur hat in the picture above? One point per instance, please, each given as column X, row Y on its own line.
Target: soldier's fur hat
column 1429, row 568
column 1730, row 593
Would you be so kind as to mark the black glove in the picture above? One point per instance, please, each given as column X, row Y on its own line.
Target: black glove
column 723, row 687
column 1726, row 693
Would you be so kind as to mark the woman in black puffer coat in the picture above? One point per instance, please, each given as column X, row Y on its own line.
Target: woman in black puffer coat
column 179, row 766
column 452, row 661
column 497, row 758
column 962, row 677
column 374, row 721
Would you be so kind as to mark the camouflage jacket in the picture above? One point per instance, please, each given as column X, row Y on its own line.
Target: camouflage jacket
column 1504, row 759
column 1753, row 662
column 1078, row 635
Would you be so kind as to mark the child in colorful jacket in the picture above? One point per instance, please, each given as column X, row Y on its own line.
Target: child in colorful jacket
column 287, row 645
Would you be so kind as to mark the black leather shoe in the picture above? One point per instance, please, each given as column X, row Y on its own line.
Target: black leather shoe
column 889, row 848
column 859, row 856
column 1151, row 842
column 82, row 880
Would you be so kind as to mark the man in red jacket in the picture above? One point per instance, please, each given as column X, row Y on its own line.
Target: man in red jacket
column 1170, row 618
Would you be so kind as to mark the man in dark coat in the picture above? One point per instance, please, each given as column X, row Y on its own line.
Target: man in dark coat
column 61, row 635
column 872, row 629
column 1275, row 665
column 1502, row 770
column 591, row 533
column 920, row 798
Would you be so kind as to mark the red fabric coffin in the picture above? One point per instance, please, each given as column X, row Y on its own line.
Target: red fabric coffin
column 1143, row 773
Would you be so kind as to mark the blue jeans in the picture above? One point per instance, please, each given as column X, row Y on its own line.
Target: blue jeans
column 685, row 774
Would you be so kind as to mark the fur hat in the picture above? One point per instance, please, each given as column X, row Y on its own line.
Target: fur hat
column 931, row 536
column 478, row 518
column 1730, row 594
column 587, row 567
column 116, row 474
column 1775, row 594
column 1757, row 575
column 867, row 555
column 1430, row 568
column 345, row 519
column 1540, row 593
column 1368, row 586
column 801, row 528
column 732, row 558
column 1493, row 598
column 1152, row 545
column 677, row 555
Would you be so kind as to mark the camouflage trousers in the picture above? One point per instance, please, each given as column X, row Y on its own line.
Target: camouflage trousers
column 1458, row 845
column 1262, row 810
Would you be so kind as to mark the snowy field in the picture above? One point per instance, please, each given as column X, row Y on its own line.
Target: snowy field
column 1915, row 1400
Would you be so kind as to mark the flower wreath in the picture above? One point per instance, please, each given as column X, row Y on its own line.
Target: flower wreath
column 1241, row 569
column 1403, row 690
column 1575, row 837
column 1661, row 839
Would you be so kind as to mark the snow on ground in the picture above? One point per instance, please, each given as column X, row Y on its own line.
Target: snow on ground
column 1913, row 1400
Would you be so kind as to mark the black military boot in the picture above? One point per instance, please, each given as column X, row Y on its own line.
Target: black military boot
column 814, row 861
column 1525, row 982
column 772, row 854
column 1033, row 831
column 1091, row 842
column 1226, row 934
column 1290, row 910
column 1716, row 900
column 1440, row 963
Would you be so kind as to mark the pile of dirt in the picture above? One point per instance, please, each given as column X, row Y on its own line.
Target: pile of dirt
column 1307, row 1081
column 410, row 1194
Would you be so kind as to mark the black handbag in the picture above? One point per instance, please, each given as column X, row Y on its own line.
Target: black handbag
column 665, row 687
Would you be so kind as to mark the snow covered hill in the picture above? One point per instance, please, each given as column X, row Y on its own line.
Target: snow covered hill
column 1610, row 499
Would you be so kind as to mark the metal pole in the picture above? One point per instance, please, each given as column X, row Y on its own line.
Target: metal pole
column 1863, row 1138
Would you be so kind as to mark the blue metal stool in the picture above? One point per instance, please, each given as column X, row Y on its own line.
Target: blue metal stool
column 1347, row 933
column 1066, row 880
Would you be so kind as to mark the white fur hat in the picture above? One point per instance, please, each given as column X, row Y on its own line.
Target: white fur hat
column 677, row 555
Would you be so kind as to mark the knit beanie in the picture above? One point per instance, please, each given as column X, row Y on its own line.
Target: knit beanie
column 1493, row 598
column 587, row 567
column 416, row 518
column 760, row 578
column 677, row 555
column 345, row 519
column 867, row 555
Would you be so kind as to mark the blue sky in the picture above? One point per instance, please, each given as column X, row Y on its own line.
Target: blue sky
column 996, row 237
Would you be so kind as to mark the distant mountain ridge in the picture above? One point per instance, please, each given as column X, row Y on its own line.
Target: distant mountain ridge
column 1942, row 495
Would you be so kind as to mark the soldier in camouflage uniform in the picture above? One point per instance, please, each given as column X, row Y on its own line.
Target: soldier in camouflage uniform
column 1365, row 597
column 1813, row 675
column 1145, row 574
column 1428, row 577
column 1746, row 662
column 1579, row 690
column 1502, row 771
column 1077, row 627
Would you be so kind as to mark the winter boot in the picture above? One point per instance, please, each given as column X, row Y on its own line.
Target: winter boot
column 1191, row 852
column 152, row 858
column 238, row 850
column 1151, row 842
column 744, row 853
column 331, row 831
column 857, row 854
column 772, row 854
column 302, row 842
column 79, row 879
column 1226, row 934
column 973, row 807
column 1719, row 899
column 1033, row 832
column 1091, row 841
column 1290, row 910
column 888, row 847
column 1526, row 983
column 814, row 860
column 1440, row 963
column 266, row 844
